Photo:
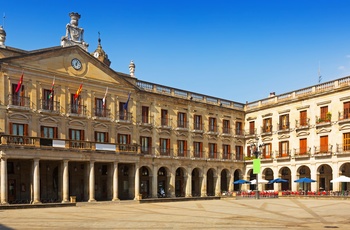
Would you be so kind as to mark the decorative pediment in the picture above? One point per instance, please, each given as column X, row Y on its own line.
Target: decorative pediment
column 344, row 127
column 283, row 136
column 76, row 123
column 266, row 139
column 239, row 141
column 146, row 130
column 48, row 119
column 100, row 126
column 323, row 130
column 19, row 117
column 124, row 128
column 181, row 134
column 302, row 133
column 164, row 132
column 197, row 135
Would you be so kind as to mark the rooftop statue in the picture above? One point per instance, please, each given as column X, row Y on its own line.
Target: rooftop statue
column 2, row 37
column 74, row 34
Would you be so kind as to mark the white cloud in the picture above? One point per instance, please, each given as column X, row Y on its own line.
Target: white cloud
column 341, row 67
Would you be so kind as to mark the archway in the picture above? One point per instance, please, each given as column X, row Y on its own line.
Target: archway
column 285, row 174
column 304, row 171
column 162, row 187
column 196, row 184
column 325, row 175
column 145, row 182
column 180, row 183
column 210, row 183
column 268, row 173
column 225, row 178
column 236, row 176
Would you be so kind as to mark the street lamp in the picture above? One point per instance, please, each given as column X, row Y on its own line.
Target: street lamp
column 256, row 151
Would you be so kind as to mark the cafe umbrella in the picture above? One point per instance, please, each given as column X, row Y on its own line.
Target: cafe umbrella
column 304, row 180
column 278, row 180
column 241, row 182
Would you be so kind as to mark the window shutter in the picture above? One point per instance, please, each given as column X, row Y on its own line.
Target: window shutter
column 10, row 128
column 55, row 132
column 25, row 130
column 70, row 134
column 82, row 135
column 128, row 139
column 42, row 131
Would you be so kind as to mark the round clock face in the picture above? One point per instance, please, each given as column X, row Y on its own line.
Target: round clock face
column 76, row 64
column 96, row 54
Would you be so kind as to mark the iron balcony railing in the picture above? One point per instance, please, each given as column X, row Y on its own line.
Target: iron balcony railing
column 102, row 112
column 16, row 100
column 50, row 105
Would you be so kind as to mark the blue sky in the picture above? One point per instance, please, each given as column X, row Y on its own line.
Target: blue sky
column 236, row 50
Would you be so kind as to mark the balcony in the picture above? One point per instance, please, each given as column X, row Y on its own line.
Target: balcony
column 323, row 150
column 302, row 153
column 18, row 102
column 343, row 149
column 213, row 130
column 102, row 114
column 250, row 132
column 285, row 127
column 239, row 133
column 77, row 110
column 302, row 124
column 226, row 156
column 226, row 131
column 147, row 150
column 164, row 152
column 212, row 155
column 182, row 153
column 47, row 143
column 198, row 127
column 181, row 125
column 323, row 121
column 266, row 130
column 146, row 121
column 165, row 123
column 343, row 117
column 123, row 117
column 283, row 155
column 49, row 106
column 198, row 154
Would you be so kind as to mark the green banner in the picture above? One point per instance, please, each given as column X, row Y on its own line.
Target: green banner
column 256, row 166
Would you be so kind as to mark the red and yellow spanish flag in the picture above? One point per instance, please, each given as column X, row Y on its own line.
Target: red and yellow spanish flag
column 76, row 95
column 19, row 84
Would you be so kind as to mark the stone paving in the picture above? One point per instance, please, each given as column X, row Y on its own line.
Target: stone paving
column 226, row 213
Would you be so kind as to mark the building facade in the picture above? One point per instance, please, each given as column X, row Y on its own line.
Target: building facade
column 72, row 126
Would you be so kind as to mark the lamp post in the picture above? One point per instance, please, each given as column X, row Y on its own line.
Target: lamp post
column 256, row 150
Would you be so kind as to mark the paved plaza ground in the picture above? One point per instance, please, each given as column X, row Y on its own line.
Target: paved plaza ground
column 226, row 213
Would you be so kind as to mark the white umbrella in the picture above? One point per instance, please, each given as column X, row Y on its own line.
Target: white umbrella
column 341, row 179
column 260, row 181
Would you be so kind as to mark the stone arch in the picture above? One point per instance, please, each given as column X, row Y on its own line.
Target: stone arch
column 180, row 182
column 286, row 174
column 211, row 182
column 196, row 182
column 267, row 174
column 225, row 180
column 324, row 177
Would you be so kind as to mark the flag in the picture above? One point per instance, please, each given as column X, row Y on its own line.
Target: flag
column 52, row 88
column 125, row 107
column 104, row 98
column 76, row 95
column 19, row 84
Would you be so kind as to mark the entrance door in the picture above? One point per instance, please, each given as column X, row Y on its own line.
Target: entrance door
column 11, row 190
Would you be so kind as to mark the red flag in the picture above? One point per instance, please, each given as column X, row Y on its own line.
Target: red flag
column 76, row 95
column 52, row 88
column 19, row 84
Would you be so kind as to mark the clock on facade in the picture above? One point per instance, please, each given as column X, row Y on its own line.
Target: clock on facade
column 96, row 54
column 76, row 64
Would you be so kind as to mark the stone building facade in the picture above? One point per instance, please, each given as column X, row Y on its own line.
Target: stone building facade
column 72, row 126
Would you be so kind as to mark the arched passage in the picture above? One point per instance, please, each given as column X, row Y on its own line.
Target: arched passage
column 285, row 174
column 325, row 175
column 196, row 184
column 210, row 183
column 180, row 182
column 225, row 179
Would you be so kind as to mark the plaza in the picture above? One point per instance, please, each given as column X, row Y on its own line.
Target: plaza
column 227, row 213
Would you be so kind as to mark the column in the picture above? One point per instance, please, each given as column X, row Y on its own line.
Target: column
column 313, row 175
column 189, row 183
column 3, row 182
column 155, row 181
column 36, row 182
column 231, row 180
column 137, row 182
column 276, row 186
column 204, row 184
column 115, row 181
column 65, row 184
column 293, row 177
column 172, row 182
column 218, row 185
column 92, row 182
column 335, row 171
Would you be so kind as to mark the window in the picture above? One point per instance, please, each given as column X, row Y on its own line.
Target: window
column 323, row 111
column 181, row 120
column 48, row 132
column 123, row 111
column 239, row 126
column 303, row 118
column 146, row 144
column 212, row 124
column 239, row 152
column 182, row 148
column 267, row 127
column 212, row 150
column 75, row 105
column 99, row 108
column 226, row 151
column 267, row 150
column 197, row 149
column 145, row 114
column 101, row 137
column 47, row 101
column 123, row 141
column 346, row 107
column 18, row 97
column 284, row 122
column 164, row 146
column 18, row 130
column 252, row 128
column 164, row 118
column 346, row 141
column 284, row 148
column 226, row 127
column 323, row 144
column 303, row 146
column 197, row 122
column 76, row 136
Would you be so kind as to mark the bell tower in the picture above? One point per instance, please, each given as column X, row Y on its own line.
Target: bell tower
column 100, row 54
